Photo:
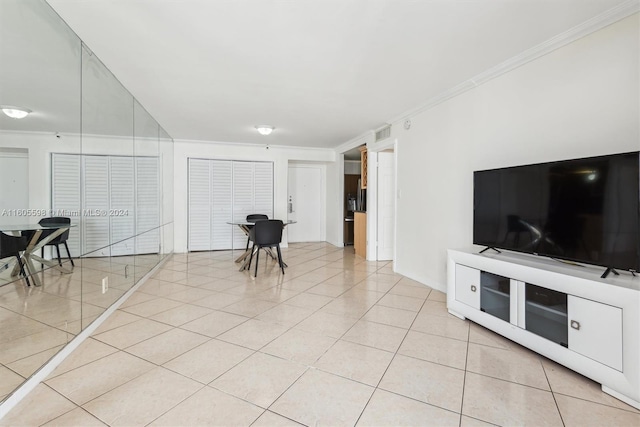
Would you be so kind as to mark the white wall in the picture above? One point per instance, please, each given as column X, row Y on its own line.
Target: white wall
column 280, row 156
column 580, row 100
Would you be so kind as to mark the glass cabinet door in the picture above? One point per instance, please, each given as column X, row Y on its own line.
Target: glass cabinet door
column 546, row 313
column 495, row 295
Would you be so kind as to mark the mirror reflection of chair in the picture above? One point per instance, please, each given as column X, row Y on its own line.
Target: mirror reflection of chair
column 253, row 218
column 60, row 240
column 266, row 234
column 12, row 246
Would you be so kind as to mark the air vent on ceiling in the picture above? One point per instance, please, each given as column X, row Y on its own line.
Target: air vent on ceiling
column 383, row 133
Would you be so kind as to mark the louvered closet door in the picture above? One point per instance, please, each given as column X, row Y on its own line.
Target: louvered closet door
column 121, row 191
column 95, row 224
column 199, row 205
column 221, row 204
column 263, row 189
column 147, row 212
column 242, row 199
column 65, row 194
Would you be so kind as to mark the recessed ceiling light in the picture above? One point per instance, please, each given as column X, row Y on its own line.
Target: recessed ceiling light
column 265, row 129
column 15, row 112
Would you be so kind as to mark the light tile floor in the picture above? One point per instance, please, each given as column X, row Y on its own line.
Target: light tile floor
column 335, row 341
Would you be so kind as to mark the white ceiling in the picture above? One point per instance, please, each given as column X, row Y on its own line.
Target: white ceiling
column 321, row 72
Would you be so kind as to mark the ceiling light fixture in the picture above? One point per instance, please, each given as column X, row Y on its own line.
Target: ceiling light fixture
column 265, row 129
column 15, row 112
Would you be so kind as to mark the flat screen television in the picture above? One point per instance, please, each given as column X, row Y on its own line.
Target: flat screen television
column 584, row 210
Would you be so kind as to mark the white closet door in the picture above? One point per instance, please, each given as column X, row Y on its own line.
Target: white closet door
column 121, row 205
column 243, row 199
column 65, row 195
column 222, row 191
column 95, row 224
column 263, row 189
column 147, row 212
column 221, row 204
column 199, row 205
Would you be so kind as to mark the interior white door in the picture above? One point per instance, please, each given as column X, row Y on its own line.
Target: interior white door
column 306, row 205
column 386, row 205
column 14, row 176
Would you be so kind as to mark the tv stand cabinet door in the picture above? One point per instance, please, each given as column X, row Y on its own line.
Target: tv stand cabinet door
column 595, row 330
column 468, row 286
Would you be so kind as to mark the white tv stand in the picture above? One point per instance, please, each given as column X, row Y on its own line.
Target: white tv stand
column 564, row 312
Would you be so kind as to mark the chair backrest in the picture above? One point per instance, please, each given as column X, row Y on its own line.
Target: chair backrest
column 254, row 217
column 52, row 220
column 267, row 232
column 11, row 245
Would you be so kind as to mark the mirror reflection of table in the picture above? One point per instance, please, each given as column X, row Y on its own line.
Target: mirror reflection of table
column 35, row 243
column 246, row 226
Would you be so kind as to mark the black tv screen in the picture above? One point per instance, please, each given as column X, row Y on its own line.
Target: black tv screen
column 584, row 210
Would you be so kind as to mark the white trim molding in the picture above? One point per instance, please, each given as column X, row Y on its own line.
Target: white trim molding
column 617, row 13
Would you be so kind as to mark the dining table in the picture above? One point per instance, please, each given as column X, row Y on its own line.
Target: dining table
column 29, row 255
column 246, row 226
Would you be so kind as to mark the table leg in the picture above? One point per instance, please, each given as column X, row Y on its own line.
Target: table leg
column 244, row 255
column 30, row 269
column 247, row 257
column 29, row 256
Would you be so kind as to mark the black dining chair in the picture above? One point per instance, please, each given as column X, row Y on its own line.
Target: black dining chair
column 12, row 246
column 253, row 218
column 60, row 240
column 266, row 234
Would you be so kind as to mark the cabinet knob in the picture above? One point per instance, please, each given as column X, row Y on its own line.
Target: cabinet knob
column 575, row 325
column 473, row 288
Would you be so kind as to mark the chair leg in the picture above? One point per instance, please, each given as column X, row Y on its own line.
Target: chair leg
column 251, row 257
column 257, row 258
column 42, row 256
column 280, row 259
column 22, row 270
column 248, row 240
column 58, row 252
column 69, row 254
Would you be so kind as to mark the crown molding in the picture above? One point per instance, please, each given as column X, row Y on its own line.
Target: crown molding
column 252, row 145
column 615, row 14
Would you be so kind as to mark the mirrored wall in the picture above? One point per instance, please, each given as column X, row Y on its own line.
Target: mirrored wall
column 89, row 154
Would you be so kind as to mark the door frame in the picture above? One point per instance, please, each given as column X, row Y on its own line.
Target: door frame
column 372, row 196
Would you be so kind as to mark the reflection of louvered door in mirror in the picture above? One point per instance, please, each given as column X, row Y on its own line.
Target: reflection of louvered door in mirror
column 65, row 195
column 121, row 205
column 95, row 201
column 147, row 205
column 112, row 210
